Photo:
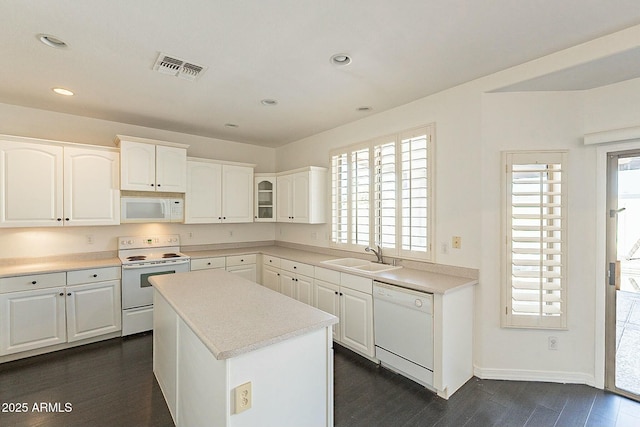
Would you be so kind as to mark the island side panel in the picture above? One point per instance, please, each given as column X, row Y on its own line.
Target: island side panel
column 165, row 350
column 202, row 396
column 291, row 383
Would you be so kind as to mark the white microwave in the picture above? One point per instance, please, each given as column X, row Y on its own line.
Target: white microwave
column 151, row 209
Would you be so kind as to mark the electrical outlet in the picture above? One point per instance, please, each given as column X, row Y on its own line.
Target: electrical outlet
column 553, row 343
column 444, row 248
column 190, row 235
column 230, row 233
column 456, row 242
column 243, row 397
column 90, row 239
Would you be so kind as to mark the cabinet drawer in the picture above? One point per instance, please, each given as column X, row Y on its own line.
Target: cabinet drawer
column 357, row 283
column 296, row 267
column 205, row 263
column 32, row 281
column 271, row 261
column 93, row 275
column 241, row 260
column 327, row 275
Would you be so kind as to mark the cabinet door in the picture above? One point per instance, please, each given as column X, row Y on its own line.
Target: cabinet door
column 171, row 169
column 93, row 309
column 304, row 289
column 138, row 166
column 283, row 198
column 237, row 193
column 30, row 185
column 265, row 199
column 327, row 299
column 32, row 319
column 204, row 193
column 300, row 197
column 356, row 319
column 91, row 187
column 288, row 284
column 246, row 271
column 271, row 278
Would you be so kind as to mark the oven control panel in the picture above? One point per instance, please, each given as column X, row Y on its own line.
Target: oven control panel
column 138, row 242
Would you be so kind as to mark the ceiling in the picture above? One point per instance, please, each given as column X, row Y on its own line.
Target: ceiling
column 276, row 49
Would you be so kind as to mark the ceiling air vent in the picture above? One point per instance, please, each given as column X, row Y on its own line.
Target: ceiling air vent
column 177, row 67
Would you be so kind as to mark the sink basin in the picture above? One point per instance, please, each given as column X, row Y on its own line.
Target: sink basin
column 361, row 265
column 346, row 262
column 373, row 267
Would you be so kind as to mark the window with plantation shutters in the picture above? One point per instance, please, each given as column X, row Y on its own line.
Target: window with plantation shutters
column 381, row 194
column 535, row 258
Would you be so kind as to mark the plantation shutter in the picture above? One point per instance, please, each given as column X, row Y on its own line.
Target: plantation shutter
column 360, row 196
column 339, row 198
column 536, row 239
column 385, row 194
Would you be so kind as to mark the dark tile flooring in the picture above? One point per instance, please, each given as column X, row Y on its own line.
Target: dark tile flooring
column 111, row 384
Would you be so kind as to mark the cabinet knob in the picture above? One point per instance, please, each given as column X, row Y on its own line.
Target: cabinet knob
column 58, row 219
column 336, row 292
column 68, row 294
column 33, row 282
column 95, row 275
column 294, row 267
column 208, row 263
column 296, row 280
column 66, row 219
column 158, row 185
column 61, row 294
column 151, row 185
column 241, row 260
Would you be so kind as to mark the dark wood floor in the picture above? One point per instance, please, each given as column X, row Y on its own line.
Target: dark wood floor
column 112, row 384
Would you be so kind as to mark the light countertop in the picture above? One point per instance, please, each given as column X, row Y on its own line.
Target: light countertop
column 70, row 263
column 420, row 280
column 232, row 315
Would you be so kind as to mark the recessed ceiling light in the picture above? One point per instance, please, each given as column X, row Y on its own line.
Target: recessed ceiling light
column 231, row 125
column 269, row 102
column 62, row 91
column 341, row 59
column 364, row 109
column 52, row 41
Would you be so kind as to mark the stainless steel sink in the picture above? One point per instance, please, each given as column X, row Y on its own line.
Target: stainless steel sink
column 362, row 265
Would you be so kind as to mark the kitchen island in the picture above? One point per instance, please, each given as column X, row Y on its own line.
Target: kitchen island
column 229, row 352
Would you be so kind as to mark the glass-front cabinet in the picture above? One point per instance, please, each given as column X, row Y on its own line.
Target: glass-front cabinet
column 265, row 198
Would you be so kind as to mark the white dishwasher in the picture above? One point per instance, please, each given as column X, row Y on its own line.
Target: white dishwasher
column 403, row 325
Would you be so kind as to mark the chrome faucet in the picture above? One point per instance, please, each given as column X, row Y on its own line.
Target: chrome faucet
column 377, row 252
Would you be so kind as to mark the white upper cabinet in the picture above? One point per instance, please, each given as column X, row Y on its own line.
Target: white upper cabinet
column 31, row 190
column 218, row 192
column 265, row 198
column 91, row 187
column 301, row 196
column 47, row 185
column 148, row 165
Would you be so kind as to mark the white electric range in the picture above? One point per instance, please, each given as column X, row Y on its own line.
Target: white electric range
column 143, row 257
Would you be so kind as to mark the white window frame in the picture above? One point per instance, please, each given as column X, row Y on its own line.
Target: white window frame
column 535, row 235
column 339, row 193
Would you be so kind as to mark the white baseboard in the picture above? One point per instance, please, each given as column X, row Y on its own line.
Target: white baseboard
column 529, row 375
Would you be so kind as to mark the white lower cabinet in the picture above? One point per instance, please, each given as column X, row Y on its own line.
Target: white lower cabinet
column 207, row 263
column 32, row 319
column 271, row 278
column 350, row 298
column 243, row 265
column 43, row 310
column 93, row 309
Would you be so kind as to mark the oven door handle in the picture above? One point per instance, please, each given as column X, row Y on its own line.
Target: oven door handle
column 168, row 264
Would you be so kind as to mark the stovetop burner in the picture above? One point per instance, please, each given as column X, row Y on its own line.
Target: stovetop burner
column 137, row 258
column 170, row 255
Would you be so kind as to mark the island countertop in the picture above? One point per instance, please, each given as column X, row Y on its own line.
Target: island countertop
column 232, row 315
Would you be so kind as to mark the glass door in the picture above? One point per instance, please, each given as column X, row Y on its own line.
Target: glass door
column 265, row 199
column 623, row 288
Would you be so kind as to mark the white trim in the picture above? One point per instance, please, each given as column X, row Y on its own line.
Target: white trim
column 613, row 135
column 120, row 138
column 601, row 253
column 533, row 375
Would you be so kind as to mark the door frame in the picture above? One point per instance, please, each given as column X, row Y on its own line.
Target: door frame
column 601, row 270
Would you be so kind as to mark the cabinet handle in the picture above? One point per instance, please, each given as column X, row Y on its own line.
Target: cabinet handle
column 158, row 185
column 296, row 280
column 66, row 219
column 294, row 267
column 219, row 217
column 151, row 185
column 341, row 294
column 336, row 292
column 241, row 260
column 59, row 219
column 34, row 282
column 208, row 263
column 61, row 294
column 95, row 275
column 69, row 294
